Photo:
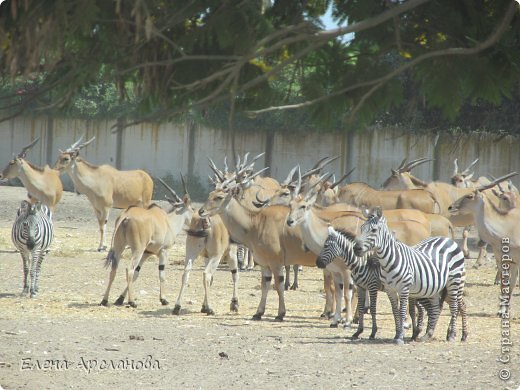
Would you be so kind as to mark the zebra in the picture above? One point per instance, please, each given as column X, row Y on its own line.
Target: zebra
column 32, row 234
column 366, row 274
column 428, row 270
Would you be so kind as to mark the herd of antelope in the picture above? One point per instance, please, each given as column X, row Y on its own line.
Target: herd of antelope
column 298, row 222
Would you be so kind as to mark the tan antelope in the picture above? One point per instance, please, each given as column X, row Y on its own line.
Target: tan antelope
column 209, row 238
column 501, row 230
column 264, row 231
column 42, row 184
column 313, row 220
column 105, row 186
column 147, row 232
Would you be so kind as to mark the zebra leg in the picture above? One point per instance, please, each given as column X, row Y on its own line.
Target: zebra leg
column 433, row 310
column 338, row 292
column 163, row 256
column 416, row 321
column 267, row 276
column 35, row 255
column 279, row 286
column 207, row 281
column 361, row 313
column 241, row 256
column 372, row 290
column 232, row 262
column 296, row 272
column 403, row 306
column 188, row 264
column 26, row 272
column 287, row 283
column 38, row 270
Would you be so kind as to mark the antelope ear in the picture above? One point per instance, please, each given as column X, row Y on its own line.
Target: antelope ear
column 394, row 172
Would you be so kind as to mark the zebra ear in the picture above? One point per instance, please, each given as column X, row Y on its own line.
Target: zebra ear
column 378, row 211
column 365, row 211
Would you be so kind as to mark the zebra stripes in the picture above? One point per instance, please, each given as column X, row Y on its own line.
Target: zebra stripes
column 32, row 234
column 429, row 270
column 365, row 273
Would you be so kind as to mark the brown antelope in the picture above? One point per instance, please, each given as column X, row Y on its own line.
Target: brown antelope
column 507, row 199
column 501, row 230
column 42, row 184
column 209, row 238
column 401, row 177
column 265, row 232
column 105, row 186
column 147, row 231
column 313, row 220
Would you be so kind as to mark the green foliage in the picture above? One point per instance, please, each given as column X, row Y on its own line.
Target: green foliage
column 156, row 59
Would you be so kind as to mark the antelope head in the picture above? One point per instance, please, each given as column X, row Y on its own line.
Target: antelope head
column 401, row 177
column 219, row 198
column 507, row 198
column 67, row 157
column 12, row 169
column 301, row 203
column 462, row 179
column 470, row 203
column 180, row 206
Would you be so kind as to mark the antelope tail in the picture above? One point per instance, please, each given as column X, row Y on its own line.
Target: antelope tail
column 111, row 260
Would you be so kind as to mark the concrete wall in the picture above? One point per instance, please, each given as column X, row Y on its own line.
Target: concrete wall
column 169, row 148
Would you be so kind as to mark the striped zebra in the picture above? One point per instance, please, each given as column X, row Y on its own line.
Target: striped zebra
column 32, row 234
column 429, row 270
column 366, row 274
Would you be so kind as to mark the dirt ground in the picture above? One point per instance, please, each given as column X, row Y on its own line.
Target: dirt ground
column 64, row 339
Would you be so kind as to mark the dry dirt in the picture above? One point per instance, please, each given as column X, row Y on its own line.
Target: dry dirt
column 63, row 339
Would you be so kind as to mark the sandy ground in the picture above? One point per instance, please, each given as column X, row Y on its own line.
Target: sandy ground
column 63, row 339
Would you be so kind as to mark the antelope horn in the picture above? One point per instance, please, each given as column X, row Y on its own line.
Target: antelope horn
column 289, row 176
column 81, row 146
column 413, row 164
column 75, row 144
column 225, row 165
column 178, row 199
column 309, row 192
column 183, row 179
column 311, row 172
column 26, row 148
column 466, row 171
column 496, row 181
column 238, row 163
column 324, row 161
column 456, row 169
column 217, row 171
column 245, row 160
column 402, row 164
column 333, row 185
column 261, row 202
column 510, row 185
column 298, row 182
column 258, row 173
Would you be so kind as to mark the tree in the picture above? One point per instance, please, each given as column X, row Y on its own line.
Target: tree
column 260, row 56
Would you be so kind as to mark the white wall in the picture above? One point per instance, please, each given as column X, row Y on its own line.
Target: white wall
column 163, row 149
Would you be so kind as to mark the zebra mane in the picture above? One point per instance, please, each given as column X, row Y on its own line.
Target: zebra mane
column 348, row 235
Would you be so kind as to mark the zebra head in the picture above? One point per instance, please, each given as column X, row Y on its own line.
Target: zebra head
column 30, row 222
column 331, row 249
column 371, row 232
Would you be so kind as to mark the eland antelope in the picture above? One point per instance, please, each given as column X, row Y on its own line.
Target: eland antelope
column 42, row 184
column 105, row 186
column 147, row 231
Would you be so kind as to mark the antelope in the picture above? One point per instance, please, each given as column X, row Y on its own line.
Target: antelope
column 313, row 221
column 500, row 229
column 402, row 174
column 104, row 186
column 507, row 199
column 42, row 184
column 147, row 231
column 208, row 237
column 444, row 194
column 264, row 231
column 464, row 179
